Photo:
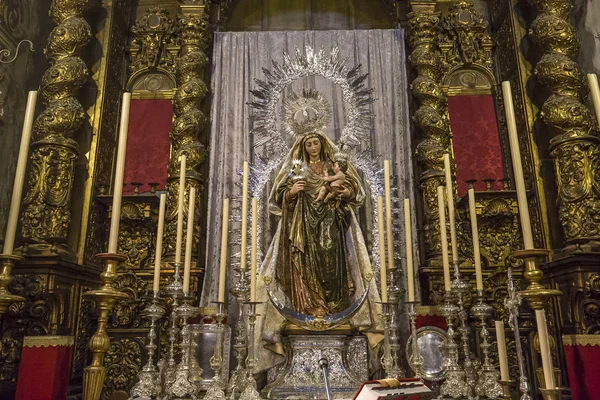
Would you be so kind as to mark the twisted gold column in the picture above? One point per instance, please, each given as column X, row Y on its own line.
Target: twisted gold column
column 189, row 121
column 430, row 117
column 47, row 214
column 574, row 146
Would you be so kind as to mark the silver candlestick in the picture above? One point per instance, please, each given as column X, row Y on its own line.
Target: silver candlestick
column 386, row 359
column 215, row 390
column 512, row 303
column 241, row 291
column 416, row 360
column 168, row 365
column 250, row 392
column 396, row 294
column 488, row 384
column 148, row 384
column 454, row 384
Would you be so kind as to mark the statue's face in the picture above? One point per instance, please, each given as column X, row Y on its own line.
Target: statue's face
column 313, row 147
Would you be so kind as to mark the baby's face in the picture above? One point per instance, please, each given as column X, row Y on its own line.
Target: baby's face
column 336, row 167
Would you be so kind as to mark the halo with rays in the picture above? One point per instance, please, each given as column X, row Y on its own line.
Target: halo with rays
column 308, row 63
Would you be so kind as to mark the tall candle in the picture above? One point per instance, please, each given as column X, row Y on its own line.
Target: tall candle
column 244, row 216
column 115, row 218
column 517, row 166
column 540, row 319
column 502, row 358
column 223, row 268
column 475, row 234
column 595, row 90
column 450, row 194
column 253, row 250
column 383, row 269
column 179, row 238
column 444, row 237
column 409, row 253
column 388, row 214
column 15, row 201
column 159, row 240
column 187, row 263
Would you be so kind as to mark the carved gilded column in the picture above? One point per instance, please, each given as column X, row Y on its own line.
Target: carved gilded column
column 574, row 146
column 47, row 214
column 430, row 117
column 189, row 121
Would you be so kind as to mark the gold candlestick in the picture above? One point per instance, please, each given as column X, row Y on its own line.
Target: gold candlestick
column 7, row 261
column 505, row 389
column 105, row 298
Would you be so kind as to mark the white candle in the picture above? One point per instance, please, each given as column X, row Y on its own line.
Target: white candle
column 540, row 319
column 113, row 239
column 15, row 201
column 450, row 194
column 517, row 166
column 475, row 234
column 444, row 237
column 187, row 263
column 383, row 269
column 159, row 240
column 180, row 200
column 502, row 358
column 388, row 214
column 253, row 250
column 595, row 90
column 244, row 216
column 224, row 233
column 409, row 254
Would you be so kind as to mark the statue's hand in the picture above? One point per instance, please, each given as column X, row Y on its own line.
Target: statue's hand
column 297, row 187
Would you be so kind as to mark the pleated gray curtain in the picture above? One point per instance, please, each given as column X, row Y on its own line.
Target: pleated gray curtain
column 238, row 60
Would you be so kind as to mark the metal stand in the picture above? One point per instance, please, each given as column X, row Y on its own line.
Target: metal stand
column 215, row 390
column 386, row 359
column 454, row 386
column 241, row 291
column 250, row 392
column 167, row 366
column 416, row 360
column 148, row 384
column 396, row 294
column 324, row 364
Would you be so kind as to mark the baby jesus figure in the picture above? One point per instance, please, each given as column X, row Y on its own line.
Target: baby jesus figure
column 335, row 182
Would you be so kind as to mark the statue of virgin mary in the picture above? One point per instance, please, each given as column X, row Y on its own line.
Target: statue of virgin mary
column 318, row 256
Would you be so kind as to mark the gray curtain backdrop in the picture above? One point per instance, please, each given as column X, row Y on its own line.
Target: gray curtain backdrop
column 238, row 60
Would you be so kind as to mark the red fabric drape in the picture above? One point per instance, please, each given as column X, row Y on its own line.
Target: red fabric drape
column 148, row 144
column 476, row 143
column 583, row 365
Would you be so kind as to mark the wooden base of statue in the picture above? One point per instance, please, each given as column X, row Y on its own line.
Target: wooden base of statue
column 301, row 376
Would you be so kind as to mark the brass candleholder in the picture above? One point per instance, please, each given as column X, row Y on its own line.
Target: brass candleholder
column 7, row 261
column 105, row 298
column 537, row 295
column 505, row 389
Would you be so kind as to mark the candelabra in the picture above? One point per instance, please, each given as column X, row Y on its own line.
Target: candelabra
column 395, row 294
column 250, row 392
column 168, row 365
column 215, row 390
column 241, row 291
column 454, row 384
column 416, row 360
column 386, row 359
column 105, row 298
column 488, row 384
column 6, row 298
column 148, row 384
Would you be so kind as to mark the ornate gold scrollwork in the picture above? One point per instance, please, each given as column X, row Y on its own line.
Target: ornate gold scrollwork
column 47, row 214
column 574, row 148
column 189, row 121
column 430, row 118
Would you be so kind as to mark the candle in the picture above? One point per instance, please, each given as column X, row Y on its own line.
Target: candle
column 179, row 238
column 223, row 269
column 595, row 90
column 15, row 201
column 115, row 218
column 502, row 358
column 450, row 194
column 383, row 270
column 409, row 254
column 187, row 263
column 159, row 240
column 244, row 216
column 444, row 237
column 517, row 166
column 475, row 233
column 388, row 214
column 540, row 319
column 254, row 245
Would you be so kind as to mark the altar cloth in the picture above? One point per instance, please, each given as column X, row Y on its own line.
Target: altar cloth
column 582, row 354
